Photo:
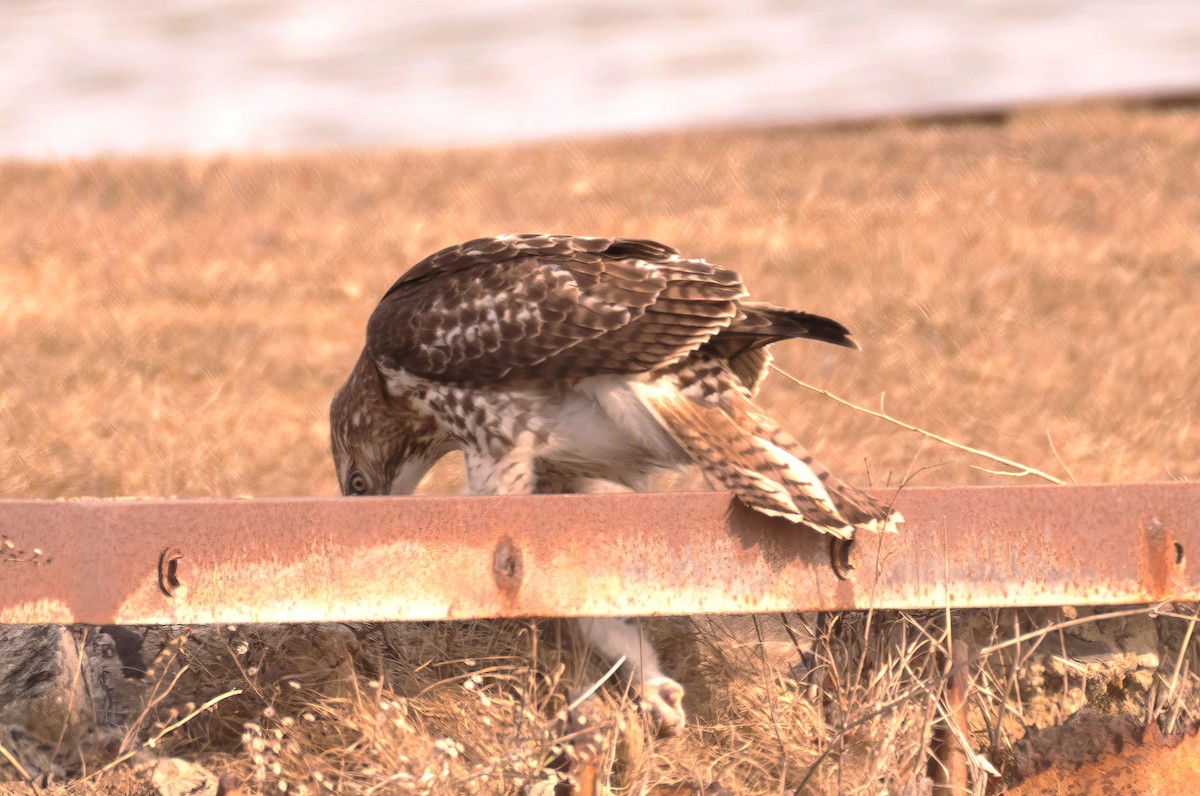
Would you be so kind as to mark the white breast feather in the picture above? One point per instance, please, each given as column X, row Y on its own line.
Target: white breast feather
column 602, row 421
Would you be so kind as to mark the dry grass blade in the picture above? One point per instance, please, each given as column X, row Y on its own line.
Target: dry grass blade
column 1174, row 686
column 1057, row 458
column 1023, row 469
column 762, row 656
column 151, row 742
column 16, row 764
column 836, row 742
column 594, row 687
column 153, row 700
column 1045, row 631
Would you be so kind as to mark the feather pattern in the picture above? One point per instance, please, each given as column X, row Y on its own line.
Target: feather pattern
column 556, row 362
column 540, row 306
column 708, row 412
column 519, row 350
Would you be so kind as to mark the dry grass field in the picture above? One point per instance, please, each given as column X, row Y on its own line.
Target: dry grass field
column 1028, row 285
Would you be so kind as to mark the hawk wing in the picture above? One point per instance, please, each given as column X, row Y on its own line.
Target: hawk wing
column 549, row 306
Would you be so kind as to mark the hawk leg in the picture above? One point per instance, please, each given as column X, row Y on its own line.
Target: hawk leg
column 619, row 639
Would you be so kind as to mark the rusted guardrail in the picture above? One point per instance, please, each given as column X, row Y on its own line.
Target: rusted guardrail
column 316, row 559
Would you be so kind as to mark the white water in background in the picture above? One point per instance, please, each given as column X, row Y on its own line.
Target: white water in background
column 265, row 75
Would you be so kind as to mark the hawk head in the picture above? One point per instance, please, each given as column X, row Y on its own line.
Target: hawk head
column 381, row 445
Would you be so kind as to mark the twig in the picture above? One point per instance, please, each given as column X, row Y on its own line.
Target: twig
column 1058, row 458
column 170, row 728
column 800, row 654
column 1018, row 662
column 767, row 685
column 20, row 768
column 594, row 687
column 955, row 728
column 1066, row 677
column 1006, row 473
column 1187, row 637
column 378, row 786
column 155, row 698
column 1180, row 705
column 73, row 685
column 1040, row 634
column 1023, row 469
column 879, row 711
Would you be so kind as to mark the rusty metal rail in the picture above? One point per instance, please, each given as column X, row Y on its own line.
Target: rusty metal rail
column 315, row 559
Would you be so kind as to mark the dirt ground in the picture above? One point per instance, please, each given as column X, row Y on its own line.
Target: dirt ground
column 1026, row 283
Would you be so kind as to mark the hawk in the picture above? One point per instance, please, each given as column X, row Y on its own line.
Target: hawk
column 556, row 363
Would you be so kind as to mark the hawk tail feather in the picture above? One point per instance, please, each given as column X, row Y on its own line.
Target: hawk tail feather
column 768, row 323
column 758, row 324
column 743, row 344
column 739, row 449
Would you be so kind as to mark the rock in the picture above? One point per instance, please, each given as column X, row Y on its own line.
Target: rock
column 56, row 680
column 128, row 643
column 1089, row 652
column 172, row 776
column 31, row 660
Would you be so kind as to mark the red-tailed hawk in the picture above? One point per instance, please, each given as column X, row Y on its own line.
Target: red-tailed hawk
column 553, row 362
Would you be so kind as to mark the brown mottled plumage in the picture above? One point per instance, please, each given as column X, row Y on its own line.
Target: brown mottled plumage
column 555, row 362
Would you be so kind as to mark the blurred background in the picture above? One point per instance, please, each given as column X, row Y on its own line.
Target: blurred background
column 127, row 76
column 201, row 202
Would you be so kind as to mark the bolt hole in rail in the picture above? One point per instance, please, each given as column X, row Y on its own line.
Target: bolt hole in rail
column 110, row 562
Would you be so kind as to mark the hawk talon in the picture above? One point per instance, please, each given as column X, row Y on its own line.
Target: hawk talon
column 664, row 697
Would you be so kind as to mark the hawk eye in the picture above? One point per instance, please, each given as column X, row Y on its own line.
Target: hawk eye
column 357, row 485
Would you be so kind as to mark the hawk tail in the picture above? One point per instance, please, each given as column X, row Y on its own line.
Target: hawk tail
column 740, row 449
column 766, row 323
column 743, row 344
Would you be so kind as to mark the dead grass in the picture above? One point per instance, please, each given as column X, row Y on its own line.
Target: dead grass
column 473, row 707
column 176, row 327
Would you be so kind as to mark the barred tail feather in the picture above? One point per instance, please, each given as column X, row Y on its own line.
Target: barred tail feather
column 858, row 508
column 739, row 449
